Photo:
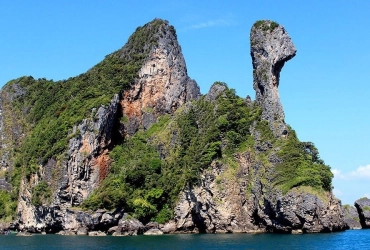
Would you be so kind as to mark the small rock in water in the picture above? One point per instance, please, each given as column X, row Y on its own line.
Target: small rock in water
column 153, row 231
column 297, row 231
column 97, row 233
column 24, row 234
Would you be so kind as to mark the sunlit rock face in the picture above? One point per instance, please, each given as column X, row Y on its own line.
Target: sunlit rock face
column 221, row 202
column 161, row 86
column 271, row 47
column 363, row 208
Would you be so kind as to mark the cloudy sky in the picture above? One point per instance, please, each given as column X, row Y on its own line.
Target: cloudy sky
column 324, row 89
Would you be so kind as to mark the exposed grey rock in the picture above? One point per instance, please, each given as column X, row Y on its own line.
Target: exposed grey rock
column 15, row 91
column 81, row 173
column 5, row 185
column 128, row 226
column 4, row 228
column 192, row 90
column 271, row 47
column 12, row 130
column 107, row 219
column 97, row 233
column 134, row 124
column 67, row 233
column 112, row 230
column 40, row 219
column 83, row 169
column 54, row 219
column 151, row 225
column 351, row 217
column 297, row 231
column 163, row 84
column 215, row 91
column 148, row 119
column 248, row 101
column 4, row 225
column 305, row 211
column 24, row 234
column 221, row 204
column 363, row 209
column 95, row 217
column 169, row 227
column 153, row 231
column 82, row 231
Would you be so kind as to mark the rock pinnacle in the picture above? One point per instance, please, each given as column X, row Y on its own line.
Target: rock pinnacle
column 271, row 47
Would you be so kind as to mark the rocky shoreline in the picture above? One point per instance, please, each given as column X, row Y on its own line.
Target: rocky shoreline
column 119, row 223
column 357, row 216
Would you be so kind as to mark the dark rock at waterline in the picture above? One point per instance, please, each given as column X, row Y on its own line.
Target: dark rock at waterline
column 363, row 209
column 128, row 226
column 351, row 218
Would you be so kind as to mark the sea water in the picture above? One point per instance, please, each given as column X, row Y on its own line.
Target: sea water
column 351, row 239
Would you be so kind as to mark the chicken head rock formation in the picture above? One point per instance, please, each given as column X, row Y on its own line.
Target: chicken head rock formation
column 271, row 47
column 220, row 203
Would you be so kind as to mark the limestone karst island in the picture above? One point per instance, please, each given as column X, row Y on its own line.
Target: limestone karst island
column 132, row 147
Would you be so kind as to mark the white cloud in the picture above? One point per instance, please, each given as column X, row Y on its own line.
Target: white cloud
column 337, row 173
column 211, row 23
column 362, row 172
column 337, row 192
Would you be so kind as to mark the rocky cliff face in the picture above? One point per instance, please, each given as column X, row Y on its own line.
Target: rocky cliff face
column 357, row 216
column 86, row 164
column 351, row 218
column 162, row 85
column 245, row 199
column 219, row 204
column 12, row 131
column 271, row 47
column 363, row 209
column 231, row 200
column 236, row 192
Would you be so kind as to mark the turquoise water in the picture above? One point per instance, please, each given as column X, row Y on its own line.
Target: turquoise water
column 352, row 239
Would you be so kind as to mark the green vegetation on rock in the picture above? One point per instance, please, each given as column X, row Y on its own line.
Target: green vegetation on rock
column 51, row 109
column 366, row 208
column 347, row 207
column 7, row 206
column 41, row 194
column 265, row 25
column 301, row 166
column 153, row 167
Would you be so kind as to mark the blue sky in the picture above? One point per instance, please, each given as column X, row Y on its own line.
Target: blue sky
column 324, row 89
